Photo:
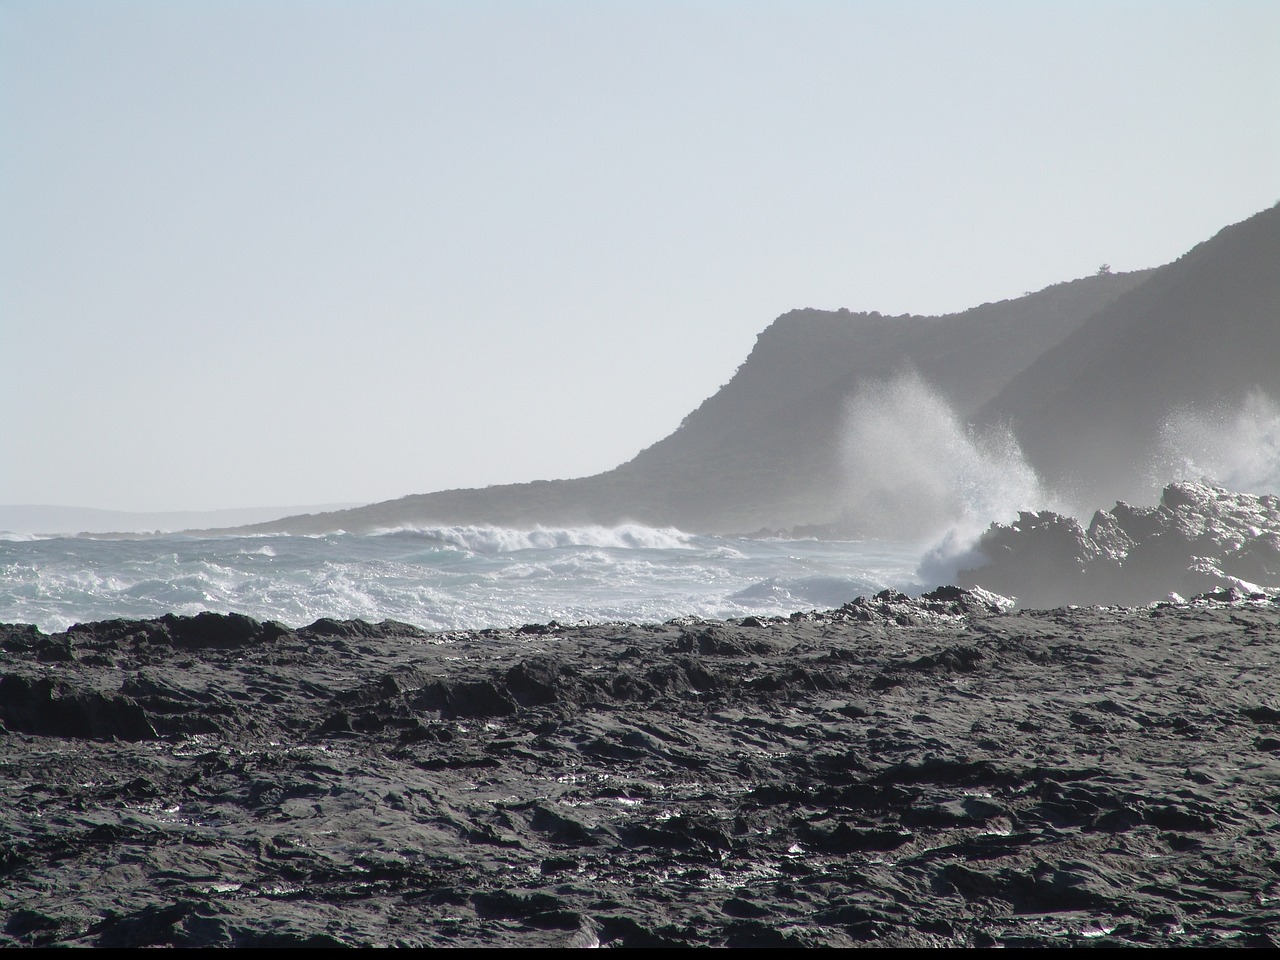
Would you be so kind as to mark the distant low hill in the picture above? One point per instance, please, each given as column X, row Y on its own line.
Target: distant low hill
column 764, row 452
column 47, row 519
column 1083, row 374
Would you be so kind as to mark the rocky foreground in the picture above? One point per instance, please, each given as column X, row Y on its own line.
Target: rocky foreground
column 895, row 772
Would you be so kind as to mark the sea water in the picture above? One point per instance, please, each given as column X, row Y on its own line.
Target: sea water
column 444, row 578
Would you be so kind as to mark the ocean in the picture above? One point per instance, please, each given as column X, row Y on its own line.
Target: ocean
column 446, row 577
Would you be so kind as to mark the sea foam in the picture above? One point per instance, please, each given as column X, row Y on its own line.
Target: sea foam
column 915, row 468
column 443, row 578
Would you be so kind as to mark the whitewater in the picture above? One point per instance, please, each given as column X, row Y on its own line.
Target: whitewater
column 445, row 577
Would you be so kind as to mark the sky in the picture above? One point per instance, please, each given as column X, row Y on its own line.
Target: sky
column 264, row 252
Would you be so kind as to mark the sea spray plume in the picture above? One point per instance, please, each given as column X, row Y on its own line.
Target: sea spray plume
column 915, row 470
column 1236, row 448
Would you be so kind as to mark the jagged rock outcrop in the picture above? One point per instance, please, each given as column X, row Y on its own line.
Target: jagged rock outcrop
column 1199, row 539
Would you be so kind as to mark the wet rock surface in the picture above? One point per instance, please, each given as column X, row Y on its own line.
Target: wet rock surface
column 901, row 772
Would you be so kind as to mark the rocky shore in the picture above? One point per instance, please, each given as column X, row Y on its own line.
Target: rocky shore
column 933, row 772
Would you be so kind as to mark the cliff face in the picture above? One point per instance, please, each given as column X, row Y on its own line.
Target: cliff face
column 765, row 450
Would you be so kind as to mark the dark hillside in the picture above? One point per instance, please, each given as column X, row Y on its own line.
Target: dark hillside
column 763, row 452
column 1202, row 332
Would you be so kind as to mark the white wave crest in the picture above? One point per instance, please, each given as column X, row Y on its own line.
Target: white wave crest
column 56, row 582
column 484, row 538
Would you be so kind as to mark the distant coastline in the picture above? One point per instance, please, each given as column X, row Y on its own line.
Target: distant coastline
column 47, row 520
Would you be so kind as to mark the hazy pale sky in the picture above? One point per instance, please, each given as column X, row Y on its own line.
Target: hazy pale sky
column 278, row 253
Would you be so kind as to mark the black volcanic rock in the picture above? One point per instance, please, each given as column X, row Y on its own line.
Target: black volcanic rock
column 49, row 707
column 931, row 772
column 1198, row 539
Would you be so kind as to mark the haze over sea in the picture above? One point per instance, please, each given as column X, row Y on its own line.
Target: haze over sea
column 443, row 578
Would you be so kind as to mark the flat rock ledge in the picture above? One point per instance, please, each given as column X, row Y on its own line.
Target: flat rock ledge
column 933, row 772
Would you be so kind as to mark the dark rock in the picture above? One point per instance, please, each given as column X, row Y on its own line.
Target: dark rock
column 558, row 864
column 757, row 934
column 719, row 641
column 472, row 699
column 539, row 681
column 952, row 660
column 506, row 905
column 744, row 909
column 52, row 708
column 843, row 838
column 559, row 828
column 28, row 925
column 1199, row 540
column 1028, row 778
column 220, row 630
column 150, row 927
column 17, row 637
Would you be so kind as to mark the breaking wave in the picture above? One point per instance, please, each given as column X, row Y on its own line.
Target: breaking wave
column 914, row 468
column 483, row 538
column 443, row 578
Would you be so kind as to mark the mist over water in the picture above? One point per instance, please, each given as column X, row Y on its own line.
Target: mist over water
column 1237, row 448
column 916, row 469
